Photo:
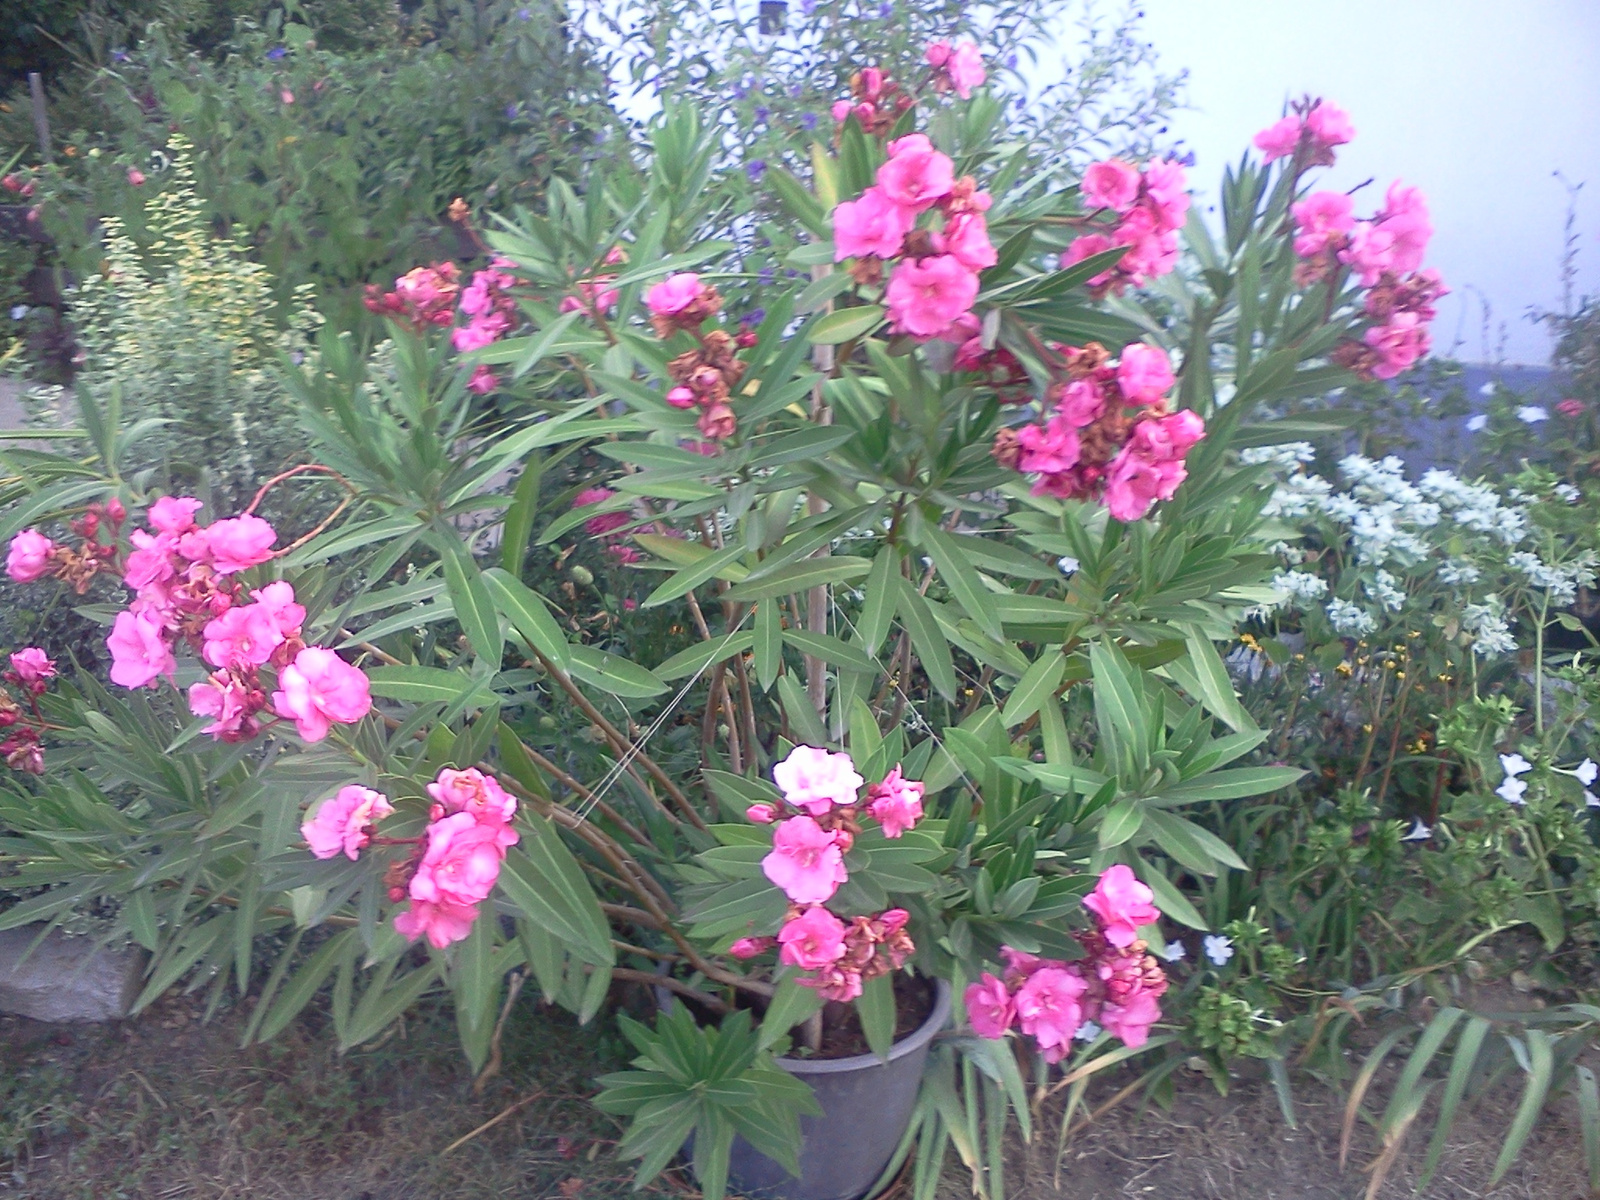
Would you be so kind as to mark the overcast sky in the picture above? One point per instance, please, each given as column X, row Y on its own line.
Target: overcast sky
column 1475, row 101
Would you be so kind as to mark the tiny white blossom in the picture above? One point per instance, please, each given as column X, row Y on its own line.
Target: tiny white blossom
column 1174, row 952
column 1285, row 456
column 1587, row 771
column 1487, row 625
column 1066, row 564
column 1532, row 414
column 1590, row 800
column 1477, row 424
column 1383, row 590
column 1515, row 764
column 18, row 311
column 1350, row 619
column 1458, row 571
column 1300, row 586
column 1512, row 791
column 1087, row 1032
column 1219, row 949
column 1568, row 493
column 1419, row 832
column 1487, row 389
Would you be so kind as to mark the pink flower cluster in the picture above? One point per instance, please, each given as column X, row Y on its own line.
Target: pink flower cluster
column 423, row 296
column 876, row 102
column 433, row 295
column 1092, row 447
column 1384, row 255
column 604, row 525
column 1308, row 134
column 707, row 377
column 31, row 671
column 1146, row 210
column 458, row 858
column 182, row 574
column 958, row 68
column 1117, row 984
column 817, row 824
column 932, row 288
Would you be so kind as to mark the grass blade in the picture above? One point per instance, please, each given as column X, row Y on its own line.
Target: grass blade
column 1461, row 1067
column 1540, row 1072
column 1358, row 1089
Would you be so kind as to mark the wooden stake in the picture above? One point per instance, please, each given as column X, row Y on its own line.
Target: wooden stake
column 41, row 121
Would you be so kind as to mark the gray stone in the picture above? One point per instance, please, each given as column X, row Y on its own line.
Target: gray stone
column 66, row 978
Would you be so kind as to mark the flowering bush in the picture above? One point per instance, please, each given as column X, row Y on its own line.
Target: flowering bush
column 984, row 702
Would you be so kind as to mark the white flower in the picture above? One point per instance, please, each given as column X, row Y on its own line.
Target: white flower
column 1419, row 832
column 1512, row 791
column 1285, row 456
column 1300, row 586
column 1532, row 414
column 1458, row 571
column 1478, row 423
column 1350, row 619
column 1587, row 771
column 1568, row 493
column 1383, row 590
column 1487, row 389
column 1590, row 799
column 1066, row 564
column 1219, row 949
column 1515, row 764
column 1174, row 952
column 18, row 311
column 1487, row 625
column 1087, row 1032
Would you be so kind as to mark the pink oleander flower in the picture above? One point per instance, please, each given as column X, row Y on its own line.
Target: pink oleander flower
column 925, row 296
column 1087, row 247
column 813, row 940
column 442, row 923
column 1166, row 189
column 761, row 814
column 29, row 556
column 870, row 224
column 816, row 779
column 461, row 862
column 601, row 523
column 624, row 556
column 1049, row 1011
column 718, row 422
column 1020, row 965
column 151, row 560
column 673, row 294
column 965, row 65
column 1150, row 465
column 1399, row 344
column 937, row 53
column 341, row 823
column 837, row 983
column 32, row 665
column 1121, row 904
column 1329, row 126
column 1570, row 407
column 682, row 397
column 841, row 110
column 966, row 239
column 135, row 176
column 173, row 514
column 1152, row 251
column 896, row 803
column 989, row 1007
column 916, row 174
column 1370, row 252
column 1131, row 1021
column 318, row 689
column 139, row 651
column 1144, row 373
column 239, row 543
column 1279, row 139
column 225, row 699
column 483, row 381
column 246, row 635
column 483, row 330
column 473, row 792
column 1049, row 449
column 1112, row 184
column 1405, row 220
column 1081, row 402
column 1322, row 219
column 750, row 947
column 806, row 862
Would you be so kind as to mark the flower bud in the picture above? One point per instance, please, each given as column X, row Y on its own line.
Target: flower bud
column 761, row 814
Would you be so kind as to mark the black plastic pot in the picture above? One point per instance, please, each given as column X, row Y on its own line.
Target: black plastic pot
column 866, row 1106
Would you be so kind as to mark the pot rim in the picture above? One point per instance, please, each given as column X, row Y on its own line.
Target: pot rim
column 909, row 1044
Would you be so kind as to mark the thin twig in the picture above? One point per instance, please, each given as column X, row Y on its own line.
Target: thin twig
column 493, row 1121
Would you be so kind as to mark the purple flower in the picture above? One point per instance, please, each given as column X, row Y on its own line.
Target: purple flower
column 808, row 7
column 808, row 121
column 795, row 90
column 120, row 56
column 524, row 15
column 511, row 112
column 765, row 276
column 276, row 53
column 753, row 318
column 762, row 112
column 755, row 169
column 1011, row 60
column 886, row 9
column 1188, row 159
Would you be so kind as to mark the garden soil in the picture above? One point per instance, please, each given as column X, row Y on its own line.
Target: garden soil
column 167, row 1107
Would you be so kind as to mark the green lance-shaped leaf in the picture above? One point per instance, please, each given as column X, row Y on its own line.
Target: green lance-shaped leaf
column 962, row 579
column 846, row 324
column 529, row 616
column 926, row 637
column 542, row 879
column 474, row 608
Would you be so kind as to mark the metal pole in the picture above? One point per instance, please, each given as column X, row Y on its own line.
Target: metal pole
column 41, row 122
